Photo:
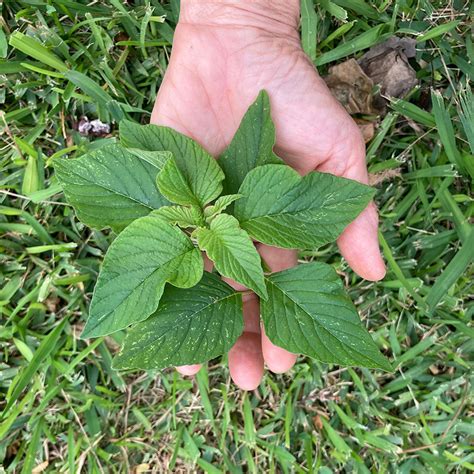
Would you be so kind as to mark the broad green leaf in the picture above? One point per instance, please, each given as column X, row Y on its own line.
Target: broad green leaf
column 308, row 312
column 190, row 326
column 158, row 159
column 283, row 209
column 251, row 146
column 110, row 186
column 180, row 215
column 146, row 255
column 220, row 205
column 174, row 186
column 233, row 252
column 200, row 170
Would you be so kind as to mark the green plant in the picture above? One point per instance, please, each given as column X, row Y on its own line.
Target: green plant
column 161, row 192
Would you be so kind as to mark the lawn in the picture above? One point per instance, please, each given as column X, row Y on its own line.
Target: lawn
column 63, row 409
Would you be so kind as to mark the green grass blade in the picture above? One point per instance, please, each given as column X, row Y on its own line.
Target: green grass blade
column 466, row 115
column 47, row 346
column 333, row 9
column 309, row 25
column 362, row 8
column 438, row 31
column 29, row 462
column 364, row 41
column 413, row 112
column 36, row 50
column 397, row 270
column 445, row 129
column 452, row 272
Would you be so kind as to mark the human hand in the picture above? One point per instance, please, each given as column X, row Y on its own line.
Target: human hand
column 224, row 53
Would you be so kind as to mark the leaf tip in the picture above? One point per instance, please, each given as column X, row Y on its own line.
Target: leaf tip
column 384, row 364
column 262, row 293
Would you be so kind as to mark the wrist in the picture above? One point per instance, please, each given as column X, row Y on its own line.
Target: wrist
column 280, row 17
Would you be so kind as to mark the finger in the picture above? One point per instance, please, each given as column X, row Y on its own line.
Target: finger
column 359, row 243
column 245, row 357
column 246, row 361
column 278, row 360
column 208, row 265
column 189, row 370
column 277, row 259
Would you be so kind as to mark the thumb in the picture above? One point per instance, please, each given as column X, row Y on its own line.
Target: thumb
column 359, row 243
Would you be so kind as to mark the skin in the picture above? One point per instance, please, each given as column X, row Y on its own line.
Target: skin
column 223, row 54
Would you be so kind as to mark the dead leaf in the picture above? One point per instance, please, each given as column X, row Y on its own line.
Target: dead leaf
column 367, row 129
column 351, row 87
column 385, row 175
column 52, row 303
column 77, row 328
column 112, row 344
column 387, row 65
column 94, row 128
column 434, row 369
column 317, row 422
column 40, row 467
column 407, row 46
column 140, row 468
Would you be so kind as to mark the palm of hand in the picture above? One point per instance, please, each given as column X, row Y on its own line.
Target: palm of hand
column 213, row 76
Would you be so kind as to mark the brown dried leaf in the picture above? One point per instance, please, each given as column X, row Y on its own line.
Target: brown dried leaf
column 351, row 87
column 140, row 468
column 434, row 369
column 367, row 129
column 318, row 424
column 386, row 175
column 387, row 65
column 94, row 128
column 52, row 303
column 40, row 467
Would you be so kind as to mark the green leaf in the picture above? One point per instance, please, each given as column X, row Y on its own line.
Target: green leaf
column 146, row 255
column 31, row 180
column 438, row 30
column 445, row 129
column 308, row 312
column 181, row 216
column 282, row 209
column 190, row 326
column 33, row 48
column 90, row 87
column 3, row 45
column 251, row 146
column 220, row 205
column 110, row 186
column 233, row 252
column 365, row 40
column 174, row 186
column 200, row 170
column 27, row 374
column 309, row 28
column 158, row 159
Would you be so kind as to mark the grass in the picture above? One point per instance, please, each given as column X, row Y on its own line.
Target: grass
column 65, row 410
